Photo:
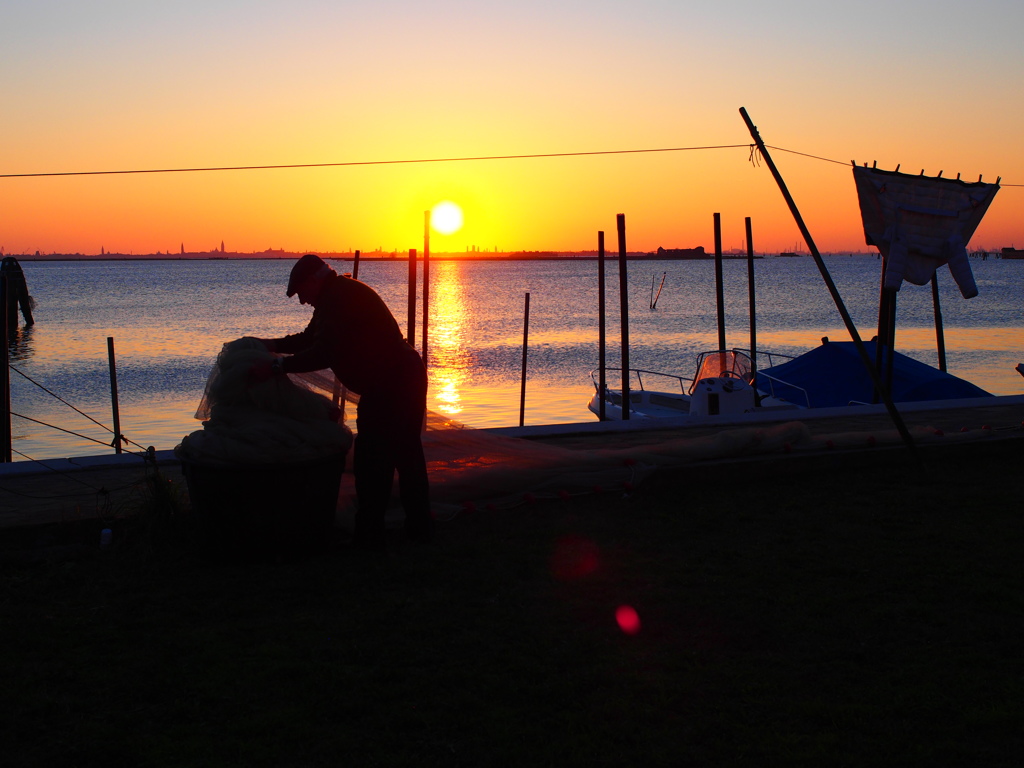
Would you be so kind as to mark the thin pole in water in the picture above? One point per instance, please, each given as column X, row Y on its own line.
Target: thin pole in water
column 113, row 394
column 656, row 296
column 719, row 289
column 355, row 266
column 411, row 321
column 620, row 224
column 5, row 372
column 602, row 376
column 752, row 301
column 426, row 280
column 526, row 341
column 897, row 420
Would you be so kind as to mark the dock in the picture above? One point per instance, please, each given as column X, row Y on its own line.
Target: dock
column 104, row 488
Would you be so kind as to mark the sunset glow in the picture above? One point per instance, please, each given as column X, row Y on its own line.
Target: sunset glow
column 343, row 93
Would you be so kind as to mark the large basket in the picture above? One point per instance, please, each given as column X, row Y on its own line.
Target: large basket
column 265, row 512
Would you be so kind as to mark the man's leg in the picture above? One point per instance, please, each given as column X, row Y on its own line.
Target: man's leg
column 374, row 469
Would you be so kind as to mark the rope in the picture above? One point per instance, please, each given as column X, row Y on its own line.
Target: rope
column 84, row 437
column 58, row 397
column 76, row 410
column 755, row 158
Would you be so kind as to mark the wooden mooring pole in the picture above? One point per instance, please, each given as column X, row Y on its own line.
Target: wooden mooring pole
column 719, row 288
column 113, row 394
column 411, row 319
column 752, row 302
column 5, row 374
column 940, row 338
column 426, row 280
column 620, row 224
column 355, row 266
column 526, row 344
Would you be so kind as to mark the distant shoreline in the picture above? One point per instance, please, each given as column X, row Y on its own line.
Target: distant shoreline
column 377, row 256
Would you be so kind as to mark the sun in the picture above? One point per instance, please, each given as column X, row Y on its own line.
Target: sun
column 446, row 217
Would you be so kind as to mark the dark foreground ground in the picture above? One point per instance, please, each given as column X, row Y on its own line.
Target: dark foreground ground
column 826, row 614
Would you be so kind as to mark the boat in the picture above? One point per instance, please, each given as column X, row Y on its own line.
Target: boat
column 917, row 223
column 829, row 376
column 721, row 385
column 1012, row 253
column 833, row 375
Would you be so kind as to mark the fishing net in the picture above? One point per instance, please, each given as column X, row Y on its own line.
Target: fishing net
column 251, row 423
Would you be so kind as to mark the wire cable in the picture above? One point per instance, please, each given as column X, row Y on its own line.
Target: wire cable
column 58, row 397
column 285, row 166
column 367, row 162
column 77, row 434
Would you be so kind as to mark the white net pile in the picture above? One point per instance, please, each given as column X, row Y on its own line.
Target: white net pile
column 268, row 422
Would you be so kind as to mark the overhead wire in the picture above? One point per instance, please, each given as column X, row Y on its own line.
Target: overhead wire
column 368, row 162
column 411, row 161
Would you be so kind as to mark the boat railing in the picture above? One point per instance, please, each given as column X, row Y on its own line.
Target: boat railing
column 773, row 358
column 767, row 383
column 637, row 375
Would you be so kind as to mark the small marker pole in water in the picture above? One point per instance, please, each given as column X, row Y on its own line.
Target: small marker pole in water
column 113, row 394
column 526, row 339
column 355, row 266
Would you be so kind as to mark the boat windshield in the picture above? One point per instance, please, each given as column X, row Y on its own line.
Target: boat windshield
column 730, row 363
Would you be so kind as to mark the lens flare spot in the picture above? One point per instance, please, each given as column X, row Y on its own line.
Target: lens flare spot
column 627, row 619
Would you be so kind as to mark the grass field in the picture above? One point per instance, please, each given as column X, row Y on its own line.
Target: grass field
column 828, row 614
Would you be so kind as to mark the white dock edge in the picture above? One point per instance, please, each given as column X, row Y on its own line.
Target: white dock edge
column 102, row 461
column 557, row 430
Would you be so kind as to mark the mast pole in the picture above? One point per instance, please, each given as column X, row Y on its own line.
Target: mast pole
column 897, row 420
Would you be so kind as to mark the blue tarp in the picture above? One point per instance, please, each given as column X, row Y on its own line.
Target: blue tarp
column 834, row 375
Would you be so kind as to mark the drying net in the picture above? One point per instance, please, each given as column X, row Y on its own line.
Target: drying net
column 919, row 223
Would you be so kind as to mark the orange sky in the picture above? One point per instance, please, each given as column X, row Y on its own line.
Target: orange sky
column 119, row 86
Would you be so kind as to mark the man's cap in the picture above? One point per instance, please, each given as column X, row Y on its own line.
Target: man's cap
column 308, row 267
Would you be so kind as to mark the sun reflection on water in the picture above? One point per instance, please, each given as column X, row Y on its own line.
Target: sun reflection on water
column 448, row 357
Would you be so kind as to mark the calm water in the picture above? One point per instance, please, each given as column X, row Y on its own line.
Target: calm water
column 169, row 319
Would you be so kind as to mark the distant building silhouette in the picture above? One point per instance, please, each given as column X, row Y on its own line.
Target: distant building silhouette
column 679, row 253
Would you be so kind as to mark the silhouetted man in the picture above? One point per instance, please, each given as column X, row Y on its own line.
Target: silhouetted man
column 353, row 333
